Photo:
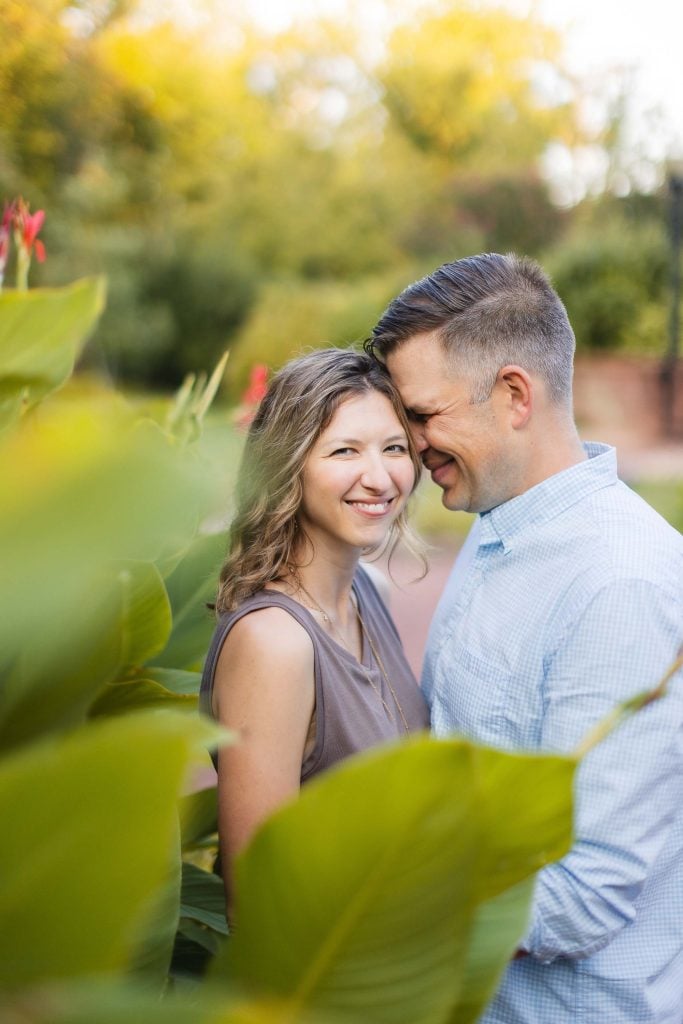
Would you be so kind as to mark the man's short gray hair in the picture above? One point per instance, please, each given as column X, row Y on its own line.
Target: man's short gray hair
column 489, row 311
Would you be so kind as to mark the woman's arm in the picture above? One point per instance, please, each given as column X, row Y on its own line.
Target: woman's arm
column 264, row 690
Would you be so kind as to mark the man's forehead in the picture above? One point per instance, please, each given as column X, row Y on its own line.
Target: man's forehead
column 421, row 372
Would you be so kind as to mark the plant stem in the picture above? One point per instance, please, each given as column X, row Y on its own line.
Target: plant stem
column 623, row 711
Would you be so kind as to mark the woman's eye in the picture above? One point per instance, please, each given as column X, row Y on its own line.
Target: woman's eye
column 402, row 449
column 343, row 451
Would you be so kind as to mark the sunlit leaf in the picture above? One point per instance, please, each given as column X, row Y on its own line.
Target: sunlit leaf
column 50, row 685
column 198, row 816
column 82, row 491
column 41, row 333
column 372, row 916
column 108, row 1004
column 177, row 680
column 84, row 811
column 191, row 585
column 129, row 695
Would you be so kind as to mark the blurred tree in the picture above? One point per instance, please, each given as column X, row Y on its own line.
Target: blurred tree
column 612, row 274
column 198, row 160
column 478, row 88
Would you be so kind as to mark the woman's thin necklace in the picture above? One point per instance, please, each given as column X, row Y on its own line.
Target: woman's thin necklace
column 380, row 664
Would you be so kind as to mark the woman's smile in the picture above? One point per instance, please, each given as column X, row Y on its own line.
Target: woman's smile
column 373, row 509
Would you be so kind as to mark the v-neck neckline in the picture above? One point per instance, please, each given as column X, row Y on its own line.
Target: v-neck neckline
column 364, row 661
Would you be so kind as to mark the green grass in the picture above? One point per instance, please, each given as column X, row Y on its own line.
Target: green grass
column 666, row 496
column 431, row 520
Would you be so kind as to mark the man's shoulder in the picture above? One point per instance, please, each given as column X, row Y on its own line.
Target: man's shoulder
column 636, row 539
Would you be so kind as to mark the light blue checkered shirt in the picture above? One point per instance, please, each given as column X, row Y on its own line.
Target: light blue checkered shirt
column 563, row 602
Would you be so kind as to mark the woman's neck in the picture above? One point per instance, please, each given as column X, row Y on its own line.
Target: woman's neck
column 326, row 578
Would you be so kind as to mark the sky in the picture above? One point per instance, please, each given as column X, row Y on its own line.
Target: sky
column 645, row 39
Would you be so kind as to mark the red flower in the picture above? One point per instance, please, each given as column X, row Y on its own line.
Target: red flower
column 27, row 225
column 255, row 391
column 258, row 385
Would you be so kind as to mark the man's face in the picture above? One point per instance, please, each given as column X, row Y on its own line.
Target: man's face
column 467, row 448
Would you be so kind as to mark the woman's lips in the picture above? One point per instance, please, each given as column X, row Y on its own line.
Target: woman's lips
column 372, row 509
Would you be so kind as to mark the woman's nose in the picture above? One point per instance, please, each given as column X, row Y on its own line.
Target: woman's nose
column 375, row 475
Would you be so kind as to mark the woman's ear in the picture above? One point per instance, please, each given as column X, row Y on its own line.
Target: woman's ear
column 518, row 393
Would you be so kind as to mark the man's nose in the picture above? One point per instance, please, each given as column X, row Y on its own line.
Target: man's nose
column 418, row 435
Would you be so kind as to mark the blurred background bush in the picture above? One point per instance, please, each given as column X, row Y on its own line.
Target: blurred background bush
column 270, row 190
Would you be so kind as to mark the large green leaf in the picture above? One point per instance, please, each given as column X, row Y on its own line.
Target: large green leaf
column 178, row 681
column 172, row 689
column 203, row 898
column 82, row 490
column 150, row 959
column 198, row 816
column 362, row 898
column 191, row 586
column 129, row 695
column 498, row 926
column 49, row 688
column 107, row 1004
column 41, row 333
column 89, row 824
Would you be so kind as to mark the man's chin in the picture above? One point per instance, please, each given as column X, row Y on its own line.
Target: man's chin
column 451, row 502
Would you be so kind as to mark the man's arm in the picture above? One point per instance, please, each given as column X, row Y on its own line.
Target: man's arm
column 628, row 788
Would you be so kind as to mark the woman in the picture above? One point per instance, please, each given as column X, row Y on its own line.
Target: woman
column 305, row 663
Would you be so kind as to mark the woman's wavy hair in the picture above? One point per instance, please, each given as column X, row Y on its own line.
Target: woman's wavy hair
column 301, row 401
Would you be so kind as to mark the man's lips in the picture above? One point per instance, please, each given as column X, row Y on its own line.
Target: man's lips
column 439, row 470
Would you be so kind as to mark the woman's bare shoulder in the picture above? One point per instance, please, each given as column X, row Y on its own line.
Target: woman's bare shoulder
column 270, row 636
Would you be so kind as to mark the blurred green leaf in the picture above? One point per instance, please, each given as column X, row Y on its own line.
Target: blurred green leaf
column 150, row 959
column 192, row 585
column 41, row 333
column 130, row 695
column 177, row 680
column 202, row 898
column 200, row 935
column 81, row 491
column 495, row 933
column 85, row 810
column 198, row 816
column 50, row 687
column 379, row 906
column 109, row 1004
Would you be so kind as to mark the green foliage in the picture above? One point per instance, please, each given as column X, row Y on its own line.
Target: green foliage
column 394, row 889
column 291, row 317
column 197, row 167
column 462, row 86
column 93, row 757
column 432, row 519
column 371, row 917
column 41, row 335
column 612, row 278
column 667, row 497
column 83, row 811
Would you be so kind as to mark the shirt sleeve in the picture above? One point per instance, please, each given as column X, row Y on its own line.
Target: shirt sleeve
column 629, row 786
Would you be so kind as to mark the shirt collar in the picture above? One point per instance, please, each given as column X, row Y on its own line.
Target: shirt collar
column 551, row 497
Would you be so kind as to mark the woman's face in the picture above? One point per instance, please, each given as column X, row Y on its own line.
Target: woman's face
column 358, row 475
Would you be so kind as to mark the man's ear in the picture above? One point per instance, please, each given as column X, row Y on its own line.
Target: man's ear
column 518, row 392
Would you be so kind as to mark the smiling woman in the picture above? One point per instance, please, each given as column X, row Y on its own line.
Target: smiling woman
column 306, row 664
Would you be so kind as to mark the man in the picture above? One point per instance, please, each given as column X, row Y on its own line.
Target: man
column 566, row 599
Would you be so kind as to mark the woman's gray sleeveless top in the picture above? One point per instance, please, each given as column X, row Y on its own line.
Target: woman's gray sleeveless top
column 349, row 714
